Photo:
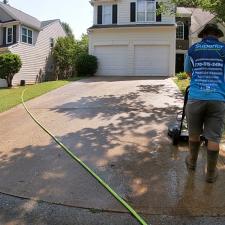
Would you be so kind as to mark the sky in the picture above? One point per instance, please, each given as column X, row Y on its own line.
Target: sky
column 77, row 13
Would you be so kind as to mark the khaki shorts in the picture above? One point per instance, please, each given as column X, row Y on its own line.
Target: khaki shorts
column 207, row 118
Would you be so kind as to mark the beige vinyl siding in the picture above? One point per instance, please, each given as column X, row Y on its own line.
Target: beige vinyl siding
column 34, row 56
column 149, row 36
column 4, row 16
column 95, row 11
column 124, row 13
column 168, row 19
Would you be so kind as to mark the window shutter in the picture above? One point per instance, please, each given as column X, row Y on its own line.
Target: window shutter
column 4, row 36
column 99, row 19
column 114, row 14
column 133, row 12
column 14, row 34
column 186, row 31
column 158, row 16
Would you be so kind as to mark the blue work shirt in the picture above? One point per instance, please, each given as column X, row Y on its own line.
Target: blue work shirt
column 206, row 62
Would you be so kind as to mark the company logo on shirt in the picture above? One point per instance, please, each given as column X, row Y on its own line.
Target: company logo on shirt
column 208, row 46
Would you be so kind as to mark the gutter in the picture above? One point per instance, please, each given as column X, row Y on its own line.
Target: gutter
column 157, row 25
column 13, row 22
column 92, row 2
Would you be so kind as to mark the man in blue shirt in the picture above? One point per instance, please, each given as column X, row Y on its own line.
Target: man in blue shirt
column 205, row 64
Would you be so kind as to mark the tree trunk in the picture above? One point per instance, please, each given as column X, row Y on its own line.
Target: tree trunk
column 9, row 81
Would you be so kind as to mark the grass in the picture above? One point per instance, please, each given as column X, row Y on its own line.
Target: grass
column 9, row 98
column 182, row 84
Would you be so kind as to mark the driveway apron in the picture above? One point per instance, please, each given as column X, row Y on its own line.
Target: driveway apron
column 117, row 126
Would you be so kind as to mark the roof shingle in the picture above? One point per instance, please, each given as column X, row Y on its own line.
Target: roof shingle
column 21, row 16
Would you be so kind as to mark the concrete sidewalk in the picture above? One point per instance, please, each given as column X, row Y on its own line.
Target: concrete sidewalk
column 119, row 128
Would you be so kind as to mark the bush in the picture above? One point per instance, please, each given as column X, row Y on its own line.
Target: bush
column 10, row 64
column 182, row 76
column 86, row 64
column 66, row 52
column 63, row 54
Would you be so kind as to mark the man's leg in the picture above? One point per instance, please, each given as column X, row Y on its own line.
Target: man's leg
column 213, row 132
column 212, row 158
column 194, row 112
column 194, row 145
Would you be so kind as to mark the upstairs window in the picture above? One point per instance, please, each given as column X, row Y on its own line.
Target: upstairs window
column 180, row 30
column 27, row 35
column 107, row 14
column 146, row 10
column 9, row 35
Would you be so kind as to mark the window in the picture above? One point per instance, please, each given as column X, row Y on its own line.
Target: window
column 180, row 30
column 146, row 10
column 27, row 35
column 107, row 14
column 52, row 42
column 9, row 35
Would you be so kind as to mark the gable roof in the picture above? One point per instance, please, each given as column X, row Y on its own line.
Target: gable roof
column 199, row 18
column 24, row 18
column 48, row 22
column 21, row 16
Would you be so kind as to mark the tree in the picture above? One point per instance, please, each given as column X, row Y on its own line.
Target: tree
column 10, row 64
column 83, row 43
column 63, row 54
column 5, row 1
column 81, row 46
column 68, row 29
column 66, row 52
column 216, row 7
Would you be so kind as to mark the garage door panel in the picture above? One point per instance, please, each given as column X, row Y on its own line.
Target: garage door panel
column 150, row 60
column 113, row 60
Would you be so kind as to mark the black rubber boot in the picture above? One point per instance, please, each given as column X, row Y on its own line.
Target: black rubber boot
column 212, row 172
column 191, row 160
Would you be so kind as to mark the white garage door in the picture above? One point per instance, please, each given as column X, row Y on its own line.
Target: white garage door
column 151, row 60
column 112, row 60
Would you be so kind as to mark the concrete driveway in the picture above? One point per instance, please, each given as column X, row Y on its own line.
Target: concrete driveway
column 119, row 128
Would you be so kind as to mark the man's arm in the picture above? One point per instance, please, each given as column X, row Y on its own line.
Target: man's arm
column 188, row 65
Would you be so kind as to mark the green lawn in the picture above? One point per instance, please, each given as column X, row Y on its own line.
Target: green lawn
column 182, row 84
column 12, row 97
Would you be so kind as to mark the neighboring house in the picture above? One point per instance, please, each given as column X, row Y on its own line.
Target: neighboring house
column 30, row 38
column 130, row 39
column 190, row 22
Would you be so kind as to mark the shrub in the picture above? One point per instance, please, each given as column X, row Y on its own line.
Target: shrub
column 86, row 64
column 182, row 76
column 63, row 54
column 10, row 64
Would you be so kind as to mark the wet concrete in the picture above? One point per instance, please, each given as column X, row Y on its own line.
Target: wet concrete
column 119, row 128
column 16, row 211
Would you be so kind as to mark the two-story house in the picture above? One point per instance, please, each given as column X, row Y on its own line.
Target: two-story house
column 30, row 38
column 130, row 38
column 190, row 22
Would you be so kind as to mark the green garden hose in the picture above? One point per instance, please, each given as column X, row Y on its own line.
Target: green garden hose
column 74, row 157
